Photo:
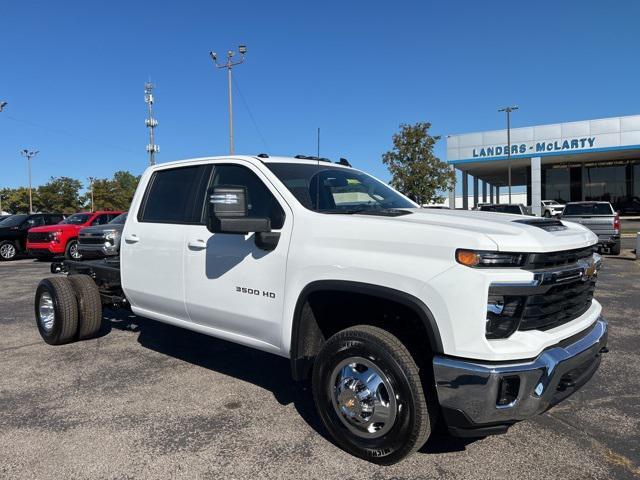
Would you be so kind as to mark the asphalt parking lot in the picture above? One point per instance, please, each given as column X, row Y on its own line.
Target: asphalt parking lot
column 147, row 400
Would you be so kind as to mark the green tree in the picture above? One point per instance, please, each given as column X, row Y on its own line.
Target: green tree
column 414, row 168
column 113, row 194
column 61, row 194
column 16, row 200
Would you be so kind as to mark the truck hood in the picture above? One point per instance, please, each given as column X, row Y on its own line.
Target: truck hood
column 102, row 228
column 52, row 228
column 514, row 233
column 4, row 231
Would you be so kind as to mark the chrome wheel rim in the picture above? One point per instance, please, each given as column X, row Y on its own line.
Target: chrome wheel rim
column 73, row 251
column 46, row 312
column 7, row 251
column 363, row 397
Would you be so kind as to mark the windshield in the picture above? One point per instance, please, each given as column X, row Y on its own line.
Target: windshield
column 77, row 219
column 550, row 202
column 588, row 209
column 341, row 190
column 119, row 220
column 13, row 220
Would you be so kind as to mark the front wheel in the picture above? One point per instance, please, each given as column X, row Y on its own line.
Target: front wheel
column 72, row 252
column 547, row 214
column 367, row 389
column 7, row 250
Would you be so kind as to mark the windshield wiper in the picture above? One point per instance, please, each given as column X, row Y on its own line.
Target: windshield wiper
column 381, row 211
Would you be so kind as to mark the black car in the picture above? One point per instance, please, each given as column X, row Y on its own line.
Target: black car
column 513, row 208
column 13, row 231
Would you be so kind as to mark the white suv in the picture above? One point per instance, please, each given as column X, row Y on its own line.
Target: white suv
column 401, row 316
column 551, row 208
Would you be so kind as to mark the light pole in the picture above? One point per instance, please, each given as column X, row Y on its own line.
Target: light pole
column 29, row 155
column 229, row 66
column 508, row 110
column 151, row 123
column 91, row 179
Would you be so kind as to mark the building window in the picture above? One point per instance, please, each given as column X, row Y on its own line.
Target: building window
column 606, row 184
column 557, row 185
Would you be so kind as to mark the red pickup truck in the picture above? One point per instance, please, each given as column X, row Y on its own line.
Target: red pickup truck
column 54, row 240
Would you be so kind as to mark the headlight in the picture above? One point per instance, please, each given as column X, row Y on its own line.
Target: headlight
column 111, row 235
column 503, row 315
column 55, row 236
column 477, row 258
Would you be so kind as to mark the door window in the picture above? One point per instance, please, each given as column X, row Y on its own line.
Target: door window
column 170, row 195
column 260, row 201
column 53, row 219
column 101, row 219
column 35, row 221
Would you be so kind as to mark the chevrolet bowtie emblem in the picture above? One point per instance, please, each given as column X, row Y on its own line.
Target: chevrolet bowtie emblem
column 589, row 269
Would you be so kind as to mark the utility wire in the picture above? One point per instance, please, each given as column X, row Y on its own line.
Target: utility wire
column 67, row 133
column 253, row 120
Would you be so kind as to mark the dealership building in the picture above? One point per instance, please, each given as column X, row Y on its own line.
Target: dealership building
column 587, row 160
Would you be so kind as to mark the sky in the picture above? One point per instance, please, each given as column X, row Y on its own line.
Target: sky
column 73, row 73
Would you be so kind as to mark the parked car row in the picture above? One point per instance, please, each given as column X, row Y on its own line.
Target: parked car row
column 47, row 235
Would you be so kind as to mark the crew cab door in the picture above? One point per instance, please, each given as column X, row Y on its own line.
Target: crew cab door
column 230, row 283
column 153, row 241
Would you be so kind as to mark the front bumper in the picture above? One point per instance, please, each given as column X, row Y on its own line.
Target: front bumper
column 468, row 390
column 97, row 250
column 608, row 240
column 45, row 249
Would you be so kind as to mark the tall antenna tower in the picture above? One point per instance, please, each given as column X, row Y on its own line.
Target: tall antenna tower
column 151, row 123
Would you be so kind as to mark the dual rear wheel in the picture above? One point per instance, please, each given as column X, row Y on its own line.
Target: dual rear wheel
column 68, row 309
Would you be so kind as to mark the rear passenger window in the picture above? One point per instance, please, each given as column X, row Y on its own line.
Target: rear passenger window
column 169, row 197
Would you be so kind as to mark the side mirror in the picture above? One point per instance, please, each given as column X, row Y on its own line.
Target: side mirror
column 227, row 212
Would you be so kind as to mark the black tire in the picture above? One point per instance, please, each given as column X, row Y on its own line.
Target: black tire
column 615, row 249
column 72, row 246
column 8, row 250
column 547, row 214
column 63, row 304
column 413, row 417
column 89, row 305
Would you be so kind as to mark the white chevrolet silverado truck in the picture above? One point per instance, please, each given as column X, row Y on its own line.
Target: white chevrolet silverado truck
column 401, row 317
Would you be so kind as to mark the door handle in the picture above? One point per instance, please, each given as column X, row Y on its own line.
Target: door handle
column 197, row 244
column 131, row 238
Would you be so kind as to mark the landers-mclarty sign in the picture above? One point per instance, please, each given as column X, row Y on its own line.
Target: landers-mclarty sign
column 536, row 147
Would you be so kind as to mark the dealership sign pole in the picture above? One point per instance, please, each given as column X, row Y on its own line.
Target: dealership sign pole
column 508, row 110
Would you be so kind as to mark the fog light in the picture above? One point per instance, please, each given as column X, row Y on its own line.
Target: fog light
column 508, row 391
column 503, row 316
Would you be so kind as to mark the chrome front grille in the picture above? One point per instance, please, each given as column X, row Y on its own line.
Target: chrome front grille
column 558, row 293
column 558, row 305
column 537, row 261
